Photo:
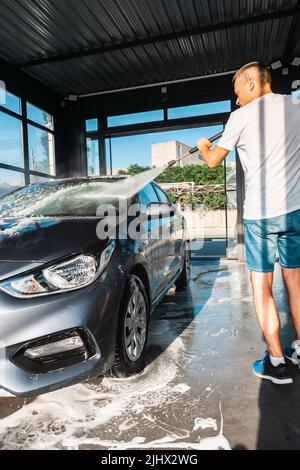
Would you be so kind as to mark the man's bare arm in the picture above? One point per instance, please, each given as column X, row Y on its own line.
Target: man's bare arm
column 213, row 157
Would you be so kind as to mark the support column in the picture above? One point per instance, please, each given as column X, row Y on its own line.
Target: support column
column 240, row 197
column 102, row 149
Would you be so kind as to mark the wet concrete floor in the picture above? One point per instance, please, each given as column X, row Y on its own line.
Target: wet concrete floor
column 197, row 391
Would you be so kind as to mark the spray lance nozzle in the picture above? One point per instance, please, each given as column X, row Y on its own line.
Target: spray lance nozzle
column 195, row 149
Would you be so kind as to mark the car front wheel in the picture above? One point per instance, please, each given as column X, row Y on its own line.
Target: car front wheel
column 183, row 280
column 132, row 330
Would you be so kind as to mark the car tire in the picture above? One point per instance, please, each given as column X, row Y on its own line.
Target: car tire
column 182, row 282
column 132, row 332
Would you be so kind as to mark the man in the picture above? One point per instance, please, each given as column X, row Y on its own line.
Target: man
column 266, row 132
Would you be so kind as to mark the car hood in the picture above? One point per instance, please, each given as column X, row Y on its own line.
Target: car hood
column 30, row 242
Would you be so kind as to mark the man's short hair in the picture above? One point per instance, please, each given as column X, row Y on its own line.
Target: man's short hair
column 261, row 69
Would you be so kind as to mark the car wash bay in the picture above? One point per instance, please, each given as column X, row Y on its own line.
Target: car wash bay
column 197, row 384
column 84, row 90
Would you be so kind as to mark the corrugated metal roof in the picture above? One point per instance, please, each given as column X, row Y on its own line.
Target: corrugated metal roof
column 41, row 29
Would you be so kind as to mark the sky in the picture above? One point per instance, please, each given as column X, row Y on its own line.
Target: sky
column 137, row 149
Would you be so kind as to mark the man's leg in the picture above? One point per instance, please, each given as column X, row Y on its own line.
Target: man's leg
column 266, row 310
column 272, row 366
column 291, row 278
column 261, row 244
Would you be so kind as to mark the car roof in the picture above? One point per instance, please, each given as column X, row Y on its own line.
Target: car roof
column 87, row 178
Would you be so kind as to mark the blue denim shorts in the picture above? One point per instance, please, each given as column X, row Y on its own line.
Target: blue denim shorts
column 264, row 236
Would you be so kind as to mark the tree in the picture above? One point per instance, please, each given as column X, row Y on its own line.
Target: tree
column 133, row 170
column 200, row 175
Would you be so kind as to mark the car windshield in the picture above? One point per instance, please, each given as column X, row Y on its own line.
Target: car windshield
column 59, row 198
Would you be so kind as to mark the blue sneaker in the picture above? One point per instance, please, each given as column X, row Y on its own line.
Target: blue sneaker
column 264, row 369
column 291, row 353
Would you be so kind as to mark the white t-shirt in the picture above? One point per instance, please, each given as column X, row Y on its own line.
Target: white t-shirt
column 266, row 133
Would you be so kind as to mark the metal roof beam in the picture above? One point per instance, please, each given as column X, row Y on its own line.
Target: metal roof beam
column 292, row 35
column 162, row 38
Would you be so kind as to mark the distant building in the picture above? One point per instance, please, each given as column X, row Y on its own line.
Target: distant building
column 164, row 152
column 115, row 171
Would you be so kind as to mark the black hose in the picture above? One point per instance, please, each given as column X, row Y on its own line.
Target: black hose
column 195, row 149
column 212, row 139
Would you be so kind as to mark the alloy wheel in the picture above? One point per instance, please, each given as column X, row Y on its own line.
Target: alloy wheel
column 135, row 325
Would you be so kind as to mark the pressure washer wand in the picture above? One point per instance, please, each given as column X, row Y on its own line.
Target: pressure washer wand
column 195, row 149
column 127, row 187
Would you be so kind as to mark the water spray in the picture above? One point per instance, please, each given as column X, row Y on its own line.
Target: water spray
column 127, row 187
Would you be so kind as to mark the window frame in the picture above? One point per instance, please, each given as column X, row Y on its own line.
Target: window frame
column 105, row 133
column 25, row 122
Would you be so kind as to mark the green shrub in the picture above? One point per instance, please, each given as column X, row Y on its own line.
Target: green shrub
column 200, row 175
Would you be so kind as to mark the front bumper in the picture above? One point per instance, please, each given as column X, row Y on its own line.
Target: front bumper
column 93, row 309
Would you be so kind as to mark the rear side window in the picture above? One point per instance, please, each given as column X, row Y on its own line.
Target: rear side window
column 162, row 196
column 147, row 195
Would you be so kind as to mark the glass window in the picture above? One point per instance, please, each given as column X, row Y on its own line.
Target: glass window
column 148, row 195
column 137, row 153
column 39, row 179
column 108, row 156
column 41, row 150
column 10, row 180
column 91, row 125
column 11, row 151
column 162, row 196
column 11, row 102
column 135, row 118
column 92, row 150
column 199, row 110
column 38, row 115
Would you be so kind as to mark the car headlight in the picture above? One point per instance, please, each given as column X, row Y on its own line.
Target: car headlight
column 78, row 272
column 69, row 275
